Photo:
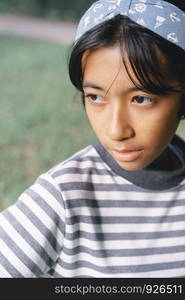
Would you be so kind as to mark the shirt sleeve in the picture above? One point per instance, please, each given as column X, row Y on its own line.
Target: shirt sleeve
column 32, row 231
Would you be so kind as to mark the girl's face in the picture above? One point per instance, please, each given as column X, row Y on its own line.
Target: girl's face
column 133, row 126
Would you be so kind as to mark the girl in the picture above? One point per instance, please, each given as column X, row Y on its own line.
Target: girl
column 117, row 208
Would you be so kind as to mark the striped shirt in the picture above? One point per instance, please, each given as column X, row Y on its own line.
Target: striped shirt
column 87, row 217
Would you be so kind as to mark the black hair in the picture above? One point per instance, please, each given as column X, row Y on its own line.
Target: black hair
column 152, row 58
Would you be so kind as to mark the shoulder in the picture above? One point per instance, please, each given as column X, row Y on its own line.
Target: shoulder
column 81, row 167
column 48, row 190
column 87, row 157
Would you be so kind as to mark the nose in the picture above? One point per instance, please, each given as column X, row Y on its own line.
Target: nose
column 120, row 125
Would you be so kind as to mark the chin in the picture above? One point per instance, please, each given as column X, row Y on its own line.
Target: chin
column 132, row 166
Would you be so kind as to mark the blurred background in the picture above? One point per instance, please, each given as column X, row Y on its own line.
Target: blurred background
column 53, row 9
column 42, row 119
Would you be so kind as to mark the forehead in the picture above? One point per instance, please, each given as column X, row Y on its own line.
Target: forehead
column 111, row 64
column 104, row 65
column 100, row 56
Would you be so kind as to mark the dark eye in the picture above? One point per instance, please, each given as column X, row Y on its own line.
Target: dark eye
column 94, row 98
column 144, row 100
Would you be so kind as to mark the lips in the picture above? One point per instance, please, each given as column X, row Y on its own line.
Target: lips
column 126, row 155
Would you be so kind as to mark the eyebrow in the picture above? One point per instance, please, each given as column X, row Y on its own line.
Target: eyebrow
column 96, row 87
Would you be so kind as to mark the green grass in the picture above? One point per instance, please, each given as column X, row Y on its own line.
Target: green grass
column 41, row 120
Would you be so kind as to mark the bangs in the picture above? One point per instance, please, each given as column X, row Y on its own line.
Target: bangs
column 157, row 65
column 149, row 60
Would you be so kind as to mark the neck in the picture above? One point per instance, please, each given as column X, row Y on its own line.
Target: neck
column 167, row 161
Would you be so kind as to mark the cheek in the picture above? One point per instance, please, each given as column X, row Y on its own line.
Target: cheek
column 97, row 126
column 168, row 120
column 160, row 128
column 95, row 118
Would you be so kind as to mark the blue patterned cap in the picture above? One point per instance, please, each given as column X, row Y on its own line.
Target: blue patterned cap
column 160, row 17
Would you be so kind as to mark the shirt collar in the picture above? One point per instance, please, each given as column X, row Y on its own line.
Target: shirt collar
column 149, row 177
